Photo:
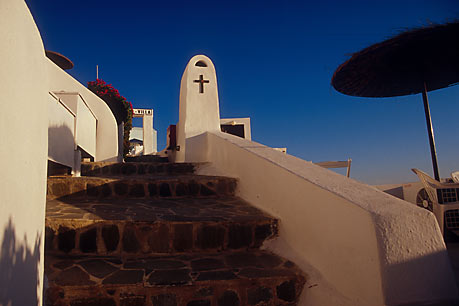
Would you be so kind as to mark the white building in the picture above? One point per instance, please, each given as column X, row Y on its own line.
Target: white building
column 143, row 139
column 136, row 139
column 38, row 100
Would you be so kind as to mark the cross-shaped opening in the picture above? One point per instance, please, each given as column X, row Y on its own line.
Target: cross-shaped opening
column 201, row 82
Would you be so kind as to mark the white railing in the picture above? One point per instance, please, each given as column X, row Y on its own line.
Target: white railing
column 86, row 124
column 72, row 127
column 61, row 132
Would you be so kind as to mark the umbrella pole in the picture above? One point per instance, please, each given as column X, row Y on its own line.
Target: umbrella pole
column 433, row 152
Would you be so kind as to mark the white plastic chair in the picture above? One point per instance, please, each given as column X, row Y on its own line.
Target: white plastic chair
column 444, row 198
column 337, row 164
column 455, row 176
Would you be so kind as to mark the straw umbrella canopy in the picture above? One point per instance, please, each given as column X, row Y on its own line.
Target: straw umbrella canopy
column 59, row 59
column 415, row 61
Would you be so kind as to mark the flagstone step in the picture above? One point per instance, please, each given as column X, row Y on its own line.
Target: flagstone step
column 228, row 278
column 133, row 227
column 146, row 158
column 135, row 168
column 140, row 187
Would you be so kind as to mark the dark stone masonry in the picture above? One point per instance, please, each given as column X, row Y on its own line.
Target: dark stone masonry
column 142, row 226
column 153, row 233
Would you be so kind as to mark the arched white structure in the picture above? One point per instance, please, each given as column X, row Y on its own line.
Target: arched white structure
column 23, row 155
column 198, row 91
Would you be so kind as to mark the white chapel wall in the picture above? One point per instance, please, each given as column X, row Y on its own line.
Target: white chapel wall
column 194, row 97
column 23, row 122
column 107, row 129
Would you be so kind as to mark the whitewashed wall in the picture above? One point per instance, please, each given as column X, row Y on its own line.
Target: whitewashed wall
column 358, row 245
column 148, row 145
column 137, row 133
column 23, row 155
column 406, row 191
column 107, row 129
column 198, row 112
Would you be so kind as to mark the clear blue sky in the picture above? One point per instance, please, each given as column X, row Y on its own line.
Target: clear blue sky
column 274, row 62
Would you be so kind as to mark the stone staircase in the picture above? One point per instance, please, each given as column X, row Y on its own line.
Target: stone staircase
column 148, row 232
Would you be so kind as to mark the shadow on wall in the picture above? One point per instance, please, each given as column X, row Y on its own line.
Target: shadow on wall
column 19, row 275
column 415, row 268
column 61, row 144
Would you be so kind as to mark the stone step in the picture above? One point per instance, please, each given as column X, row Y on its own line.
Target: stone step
column 228, row 278
column 140, row 187
column 136, row 227
column 134, row 169
column 146, row 159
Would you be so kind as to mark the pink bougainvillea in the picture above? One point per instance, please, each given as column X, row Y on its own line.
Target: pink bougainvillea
column 121, row 108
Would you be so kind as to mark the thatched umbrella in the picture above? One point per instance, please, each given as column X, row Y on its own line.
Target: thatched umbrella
column 59, row 59
column 416, row 61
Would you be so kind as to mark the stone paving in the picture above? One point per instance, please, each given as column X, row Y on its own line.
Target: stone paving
column 227, row 278
column 133, row 168
column 140, row 187
column 149, row 233
column 149, row 226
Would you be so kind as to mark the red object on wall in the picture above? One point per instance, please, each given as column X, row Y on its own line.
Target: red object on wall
column 172, row 137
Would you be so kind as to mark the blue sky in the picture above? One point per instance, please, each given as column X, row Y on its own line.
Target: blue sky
column 274, row 62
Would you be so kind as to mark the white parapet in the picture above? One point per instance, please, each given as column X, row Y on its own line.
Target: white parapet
column 359, row 245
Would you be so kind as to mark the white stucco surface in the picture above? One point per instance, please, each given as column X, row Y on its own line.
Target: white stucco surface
column 120, row 142
column 137, row 133
column 148, row 135
column 23, row 121
column 359, row 245
column 406, row 191
column 61, row 132
column 192, row 120
column 107, row 129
